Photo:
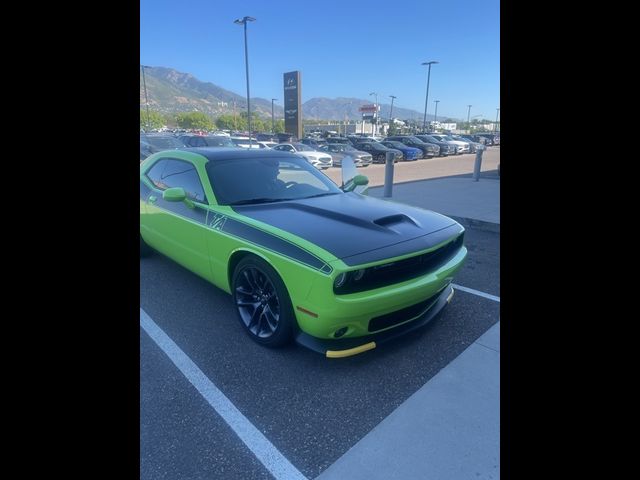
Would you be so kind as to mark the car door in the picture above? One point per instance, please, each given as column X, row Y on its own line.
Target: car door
column 177, row 229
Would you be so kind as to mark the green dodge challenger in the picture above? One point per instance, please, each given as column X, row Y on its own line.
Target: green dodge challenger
column 334, row 270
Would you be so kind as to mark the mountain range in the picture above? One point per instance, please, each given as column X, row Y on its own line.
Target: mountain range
column 171, row 91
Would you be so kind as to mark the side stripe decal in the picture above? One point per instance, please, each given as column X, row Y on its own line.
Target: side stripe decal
column 243, row 231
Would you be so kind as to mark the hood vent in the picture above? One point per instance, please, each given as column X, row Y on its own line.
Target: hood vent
column 393, row 219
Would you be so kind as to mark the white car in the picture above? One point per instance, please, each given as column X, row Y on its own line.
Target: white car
column 463, row 147
column 267, row 144
column 320, row 160
column 244, row 142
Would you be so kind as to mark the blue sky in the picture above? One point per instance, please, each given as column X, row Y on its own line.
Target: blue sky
column 343, row 48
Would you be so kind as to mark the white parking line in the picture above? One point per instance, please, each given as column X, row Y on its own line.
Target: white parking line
column 476, row 292
column 259, row 445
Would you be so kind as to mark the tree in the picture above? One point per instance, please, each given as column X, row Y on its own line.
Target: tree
column 279, row 126
column 229, row 122
column 195, row 120
column 156, row 119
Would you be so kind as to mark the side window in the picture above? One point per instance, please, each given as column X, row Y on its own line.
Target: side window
column 277, row 147
column 179, row 173
column 155, row 174
column 169, row 173
column 289, row 148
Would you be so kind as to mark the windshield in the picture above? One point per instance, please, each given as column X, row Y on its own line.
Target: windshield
column 414, row 140
column 219, row 141
column 261, row 180
column 394, row 144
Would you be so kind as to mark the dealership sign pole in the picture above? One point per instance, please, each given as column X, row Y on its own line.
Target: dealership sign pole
column 292, row 104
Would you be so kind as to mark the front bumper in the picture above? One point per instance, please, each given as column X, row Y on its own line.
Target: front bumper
column 322, row 314
column 339, row 348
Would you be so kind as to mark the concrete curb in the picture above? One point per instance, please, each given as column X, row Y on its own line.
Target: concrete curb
column 477, row 224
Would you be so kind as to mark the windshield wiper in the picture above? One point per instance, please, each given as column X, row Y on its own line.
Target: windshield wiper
column 258, row 200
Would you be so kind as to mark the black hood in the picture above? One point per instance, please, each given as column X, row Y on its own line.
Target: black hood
column 356, row 228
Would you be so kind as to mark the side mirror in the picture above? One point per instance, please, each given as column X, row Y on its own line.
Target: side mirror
column 175, row 194
column 357, row 181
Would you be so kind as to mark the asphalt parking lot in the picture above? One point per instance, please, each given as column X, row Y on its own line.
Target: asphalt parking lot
column 312, row 409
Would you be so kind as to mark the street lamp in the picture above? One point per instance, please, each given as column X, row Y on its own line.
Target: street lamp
column 273, row 129
column 146, row 99
column 393, row 97
column 424, row 121
column 244, row 21
column 495, row 125
column 435, row 117
column 469, row 113
column 375, row 115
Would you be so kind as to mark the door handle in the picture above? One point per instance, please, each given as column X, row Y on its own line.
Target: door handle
column 153, row 199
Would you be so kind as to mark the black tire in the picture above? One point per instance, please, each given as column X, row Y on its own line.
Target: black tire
column 382, row 158
column 262, row 303
column 145, row 250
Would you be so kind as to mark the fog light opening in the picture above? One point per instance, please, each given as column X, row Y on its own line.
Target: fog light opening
column 340, row 332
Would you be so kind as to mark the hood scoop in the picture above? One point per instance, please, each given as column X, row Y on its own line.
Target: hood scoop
column 394, row 219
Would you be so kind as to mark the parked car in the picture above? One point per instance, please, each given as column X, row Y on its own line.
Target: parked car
column 473, row 145
column 320, row 160
column 245, row 142
column 431, row 147
column 489, row 138
column 462, row 146
column 336, row 271
column 267, row 144
column 152, row 143
column 206, row 141
column 342, row 140
column 314, row 142
column 285, row 137
column 408, row 153
column 266, row 137
column 378, row 151
column 338, row 151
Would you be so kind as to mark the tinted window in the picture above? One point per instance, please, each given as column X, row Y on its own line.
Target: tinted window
column 177, row 173
column 154, row 174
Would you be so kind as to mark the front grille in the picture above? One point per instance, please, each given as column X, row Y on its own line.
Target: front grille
column 402, row 270
column 399, row 316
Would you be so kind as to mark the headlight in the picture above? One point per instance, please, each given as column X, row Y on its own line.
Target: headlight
column 357, row 275
column 340, row 280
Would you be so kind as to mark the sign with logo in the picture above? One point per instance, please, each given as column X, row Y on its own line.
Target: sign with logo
column 292, row 104
column 368, row 108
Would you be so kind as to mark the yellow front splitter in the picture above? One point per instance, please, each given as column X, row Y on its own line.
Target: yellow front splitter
column 351, row 351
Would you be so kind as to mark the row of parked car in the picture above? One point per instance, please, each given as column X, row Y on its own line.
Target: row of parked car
column 327, row 152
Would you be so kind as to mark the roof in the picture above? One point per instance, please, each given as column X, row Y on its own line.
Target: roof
column 214, row 154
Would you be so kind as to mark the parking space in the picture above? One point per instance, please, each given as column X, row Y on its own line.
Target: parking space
column 310, row 408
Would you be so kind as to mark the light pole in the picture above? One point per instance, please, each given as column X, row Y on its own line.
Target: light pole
column 426, row 100
column 495, row 125
column 244, row 21
column 273, row 129
column 393, row 97
column 146, row 99
column 435, row 116
column 375, row 114
column 469, row 113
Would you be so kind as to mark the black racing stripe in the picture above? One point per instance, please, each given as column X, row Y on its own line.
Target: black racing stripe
column 198, row 213
column 409, row 246
column 268, row 240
